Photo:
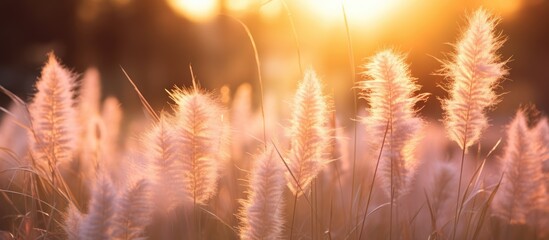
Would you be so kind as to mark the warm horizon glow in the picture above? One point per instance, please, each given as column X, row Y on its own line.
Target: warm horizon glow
column 196, row 10
column 504, row 7
column 357, row 10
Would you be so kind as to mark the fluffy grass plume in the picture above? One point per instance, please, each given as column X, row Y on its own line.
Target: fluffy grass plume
column 110, row 149
column 71, row 223
column 199, row 141
column 391, row 93
column 261, row 213
column 309, row 133
column 474, row 71
column 89, row 95
column 133, row 211
column 241, row 119
column 541, row 136
column 521, row 189
column 89, row 99
column 97, row 224
column 53, row 116
column 165, row 171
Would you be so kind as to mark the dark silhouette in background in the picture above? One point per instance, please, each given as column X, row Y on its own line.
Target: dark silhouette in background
column 155, row 46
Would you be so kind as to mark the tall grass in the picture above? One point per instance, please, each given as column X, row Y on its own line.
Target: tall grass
column 67, row 172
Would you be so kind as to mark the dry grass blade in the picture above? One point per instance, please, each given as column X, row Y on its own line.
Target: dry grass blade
column 143, row 100
column 484, row 211
column 12, row 96
column 259, row 79
column 373, row 181
column 355, row 115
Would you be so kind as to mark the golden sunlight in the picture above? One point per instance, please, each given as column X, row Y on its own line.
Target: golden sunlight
column 196, row 10
column 357, row 10
column 503, row 7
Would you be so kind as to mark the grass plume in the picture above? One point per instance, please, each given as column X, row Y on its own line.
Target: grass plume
column 309, row 133
column 521, row 189
column 391, row 93
column 53, row 116
column 165, row 169
column 98, row 222
column 199, row 140
column 474, row 72
column 133, row 211
column 261, row 213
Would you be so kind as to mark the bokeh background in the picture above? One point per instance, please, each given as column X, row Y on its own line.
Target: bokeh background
column 156, row 40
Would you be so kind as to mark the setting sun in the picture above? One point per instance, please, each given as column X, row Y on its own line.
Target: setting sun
column 197, row 10
column 357, row 10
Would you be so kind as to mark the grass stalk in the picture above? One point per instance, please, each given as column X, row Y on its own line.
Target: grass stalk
column 293, row 216
column 458, row 206
column 352, row 63
column 373, row 181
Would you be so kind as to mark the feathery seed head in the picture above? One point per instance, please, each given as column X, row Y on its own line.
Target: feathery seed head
column 97, row 224
column 72, row 219
column 165, row 169
column 391, row 93
column 133, row 211
column 261, row 213
column 200, row 141
column 309, row 133
column 475, row 70
column 53, row 115
column 90, row 93
column 521, row 189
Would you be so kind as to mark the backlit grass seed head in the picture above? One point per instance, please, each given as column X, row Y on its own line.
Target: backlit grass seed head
column 262, row 212
column 165, row 169
column 89, row 94
column 88, row 104
column 541, row 141
column 71, row 221
column 474, row 71
column 541, row 136
column 199, row 141
column 133, row 211
column 97, row 224
column 309, row 133
column 521, row 189
column 391, row 94
column 53, row 115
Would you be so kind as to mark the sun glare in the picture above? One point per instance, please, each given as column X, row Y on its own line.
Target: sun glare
column 357, row 10
column 196, row 10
